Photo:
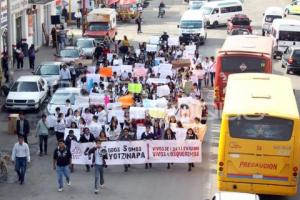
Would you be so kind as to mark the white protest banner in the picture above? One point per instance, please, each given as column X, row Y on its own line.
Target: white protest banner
column 160, row 103
column 91, row 69
column 165, row 66
column 173, row 151
column 119, row 114
column 140, row 130
column 188, row 54
column 79, row 153
column 137, row 112
column 158, row 81
column 165, row 73
column 154, row 40
column 139, row 65
column 189, row 108
column 155, row 69
column 75, row 130
column 114, row 105
column 94, row 77
column 125, row 152
column 116, row 69
column 190, row 48
column 151, row 48
column 173, row 41
column 126, row 68
column 110, row 57
column 82, row 101
column 96, row 99
column 158, row 113
column 159, row 60
column 163, row 90
column 180, row 133
column 137, row 52
column 140, row 71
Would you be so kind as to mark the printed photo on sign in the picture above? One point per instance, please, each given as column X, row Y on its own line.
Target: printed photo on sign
column 79, row 153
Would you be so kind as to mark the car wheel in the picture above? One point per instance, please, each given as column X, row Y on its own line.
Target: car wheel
column 215, row 24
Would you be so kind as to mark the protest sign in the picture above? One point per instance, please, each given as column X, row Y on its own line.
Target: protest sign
column 165, row 73
column 173, row 151
column 173, row 41
column 188, row 87
column 137, row 112
column 125, row 152
column 151, row 48
column 94, row 77
column 163, row 90
column 154, row 40
column 159, row 60
column 140, row 130
column 135, row 88
column 180, row 133
column 96, row 99
column 116, row 69
column 165, row 66
column 137, row 65
column 51, row 121
column 75, row 130
column 160, row 103
column 189, row 108
column 181, row 63
column 140, row 71
column 106, row 72
column 199, row 129
column 116, row 105
column 126, row 68
column 157, row 81
column 79, row 153
column 126, row 100
column 188, row 54
column 158, row 113
column 119, row 114
column 110, row 57
column 190, row 48
column 82, row 101
column 91, row 69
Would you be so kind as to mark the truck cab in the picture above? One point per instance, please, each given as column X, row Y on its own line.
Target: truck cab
column 100, row 22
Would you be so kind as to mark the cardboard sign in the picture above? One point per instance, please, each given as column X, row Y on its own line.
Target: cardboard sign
column 158, row 113
column 173, row 41
column 137, row 112
column 106, row 72
column 126, row 68
column 116, row 69
column 163, row 90
column 140, row 72
column 126, row 101
column 181, row 63
column 151, row 48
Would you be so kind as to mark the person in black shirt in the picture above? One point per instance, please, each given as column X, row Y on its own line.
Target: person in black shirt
column 68, row 141
column 85, row 138
column 62, row 158
column 190, row 135
column 148, row 135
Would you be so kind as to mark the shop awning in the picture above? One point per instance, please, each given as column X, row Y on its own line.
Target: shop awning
column 39, row 1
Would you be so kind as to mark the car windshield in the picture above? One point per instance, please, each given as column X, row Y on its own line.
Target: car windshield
column 289, row 36
column 191, row 24
column 241, row 21
column 60, row 98
column 238, row 64
column 98, row 27
column 69, row 53
column 270, row 18
column 206, row 10
column 85, row 43
column 240, row 32
column 48, row 70
column 296, row 54
column 196, row 6
column 24, row 87
column 261, row 128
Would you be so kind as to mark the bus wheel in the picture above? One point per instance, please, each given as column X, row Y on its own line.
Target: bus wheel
column 215, row 24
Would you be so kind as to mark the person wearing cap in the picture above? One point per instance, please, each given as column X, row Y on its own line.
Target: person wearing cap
column 62, row 158
column 99, row 156
column 20, row 156
column 23, row 127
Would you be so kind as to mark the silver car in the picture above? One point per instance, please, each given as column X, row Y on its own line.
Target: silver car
column 87, row 46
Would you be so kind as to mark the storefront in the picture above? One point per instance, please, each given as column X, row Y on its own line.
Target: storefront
column 19, row 20
column 3, row 26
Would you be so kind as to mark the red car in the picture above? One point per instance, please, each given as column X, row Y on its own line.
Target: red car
column 239, row 21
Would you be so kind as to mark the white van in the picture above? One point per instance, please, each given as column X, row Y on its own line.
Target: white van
column 192, row 27
column 285, row 33
column 269, row 15
column 218, row 12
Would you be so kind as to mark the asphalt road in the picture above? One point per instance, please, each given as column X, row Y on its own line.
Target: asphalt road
column 157, row 183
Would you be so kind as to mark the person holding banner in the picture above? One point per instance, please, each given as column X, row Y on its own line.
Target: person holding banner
column 99, row 155
column 126, row 137
column 169, row 135
column 190, row 135
column 85, row 138
column 62, row 158
column 68, row 141
column 147, row 135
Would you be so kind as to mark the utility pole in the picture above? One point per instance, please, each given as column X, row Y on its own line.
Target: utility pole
column 83, row 16
column 9, row 35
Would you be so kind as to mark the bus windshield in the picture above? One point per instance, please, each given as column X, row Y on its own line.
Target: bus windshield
column 289, row 36
column 191, row 24
column 260, row 128
column 98, row 27
column 270, row 18
column 237, row 64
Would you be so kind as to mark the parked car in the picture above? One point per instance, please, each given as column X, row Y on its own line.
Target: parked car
column 239, row 21
column 68, row 55
column 239, row 31
column 50, row 72
column 87, row 46
column 60, row 96
column 234, row 196
column 291, row 59
column 27, row 93
column 197, row 4
column 293, row 8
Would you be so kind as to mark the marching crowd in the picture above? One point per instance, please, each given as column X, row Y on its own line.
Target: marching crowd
column 187, row 80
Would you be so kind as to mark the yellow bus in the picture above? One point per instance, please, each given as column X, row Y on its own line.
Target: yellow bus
column 259, row 149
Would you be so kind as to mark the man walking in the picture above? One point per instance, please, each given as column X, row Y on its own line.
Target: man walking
column 139, row 23
column 42, row 133
column 20, row 156
column 99, row 154
column 62, row 158
column 23, row 127
column 78, row 17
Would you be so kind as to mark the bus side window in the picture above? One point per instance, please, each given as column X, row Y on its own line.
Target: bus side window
column 224, row 10
column 215, row 11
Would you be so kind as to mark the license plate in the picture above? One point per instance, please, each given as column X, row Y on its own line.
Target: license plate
column 257, row 176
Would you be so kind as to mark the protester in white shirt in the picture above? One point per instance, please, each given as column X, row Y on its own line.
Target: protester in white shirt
column 95, row 127
column 20, row 156
column 212, row 70
column 65, row 75
column 59, row 127
column 101, row 114
column 206, row 65
column 78, row 17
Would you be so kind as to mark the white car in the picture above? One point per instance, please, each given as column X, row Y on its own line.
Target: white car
column 27, row 93
column 196, row 4
column 87, row 45
column 234, row 196
column 60, row 96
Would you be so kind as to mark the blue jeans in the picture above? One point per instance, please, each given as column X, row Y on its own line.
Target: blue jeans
column 98, row 175
column 20, row 167
column 62, row 171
